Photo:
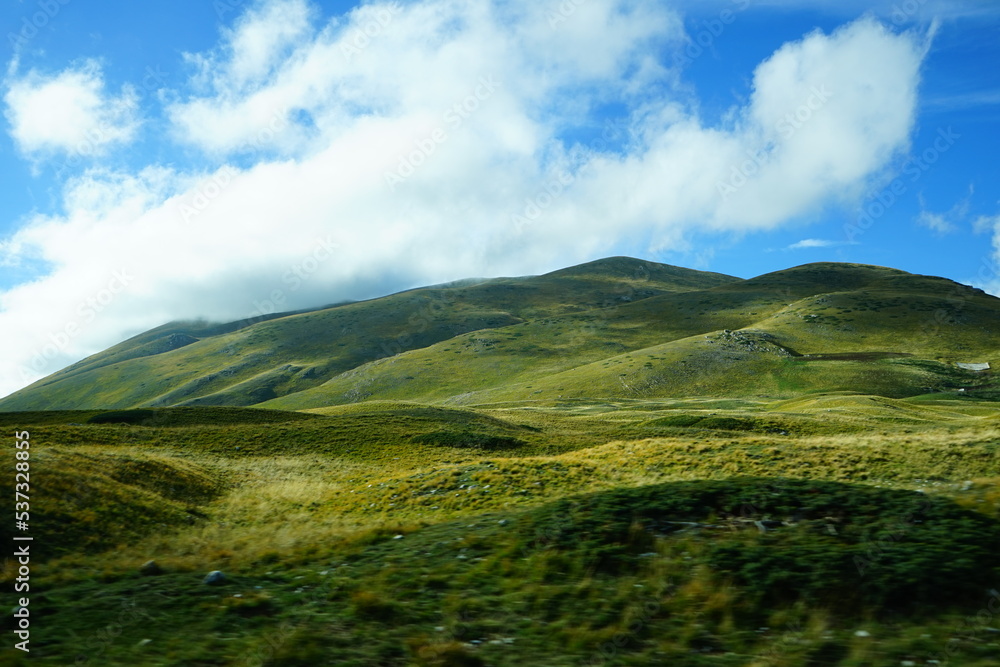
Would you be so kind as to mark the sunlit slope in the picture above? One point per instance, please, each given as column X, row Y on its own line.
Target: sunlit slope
column 247, row 363
column 739, row 364
column 263, row 359
column 615, row 328
column 818, row 327
column 943, row 321
column 543, row 347
column 529, row 351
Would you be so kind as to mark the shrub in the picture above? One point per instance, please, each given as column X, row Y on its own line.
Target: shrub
column 123, row 417
column 468, row 440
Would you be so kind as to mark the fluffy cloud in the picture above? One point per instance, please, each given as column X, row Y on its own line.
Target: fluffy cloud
column 401, row 64
column 70, row 112
column 403, row 145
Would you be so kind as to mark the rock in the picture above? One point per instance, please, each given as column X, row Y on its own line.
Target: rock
column 214, row 578
column 150, row 568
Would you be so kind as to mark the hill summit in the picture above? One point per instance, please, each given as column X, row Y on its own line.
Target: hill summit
column 613, row 328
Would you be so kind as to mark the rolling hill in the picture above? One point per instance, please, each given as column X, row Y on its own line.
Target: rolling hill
column 613, row 328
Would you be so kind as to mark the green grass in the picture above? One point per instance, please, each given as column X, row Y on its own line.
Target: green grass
column 619, row 533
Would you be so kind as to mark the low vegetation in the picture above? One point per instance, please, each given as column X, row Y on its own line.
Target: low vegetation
column 832, row 530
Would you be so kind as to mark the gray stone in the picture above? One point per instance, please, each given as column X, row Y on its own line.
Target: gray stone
column 214, row 578
column 150, row 568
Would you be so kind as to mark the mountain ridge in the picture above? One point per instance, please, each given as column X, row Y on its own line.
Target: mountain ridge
column 497, row 338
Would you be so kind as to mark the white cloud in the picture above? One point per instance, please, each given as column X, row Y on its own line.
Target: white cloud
column 935, row 221
column 474, row 99
column 986, row 223
column 948, row 221
column 70, row 112
column 405, row 63
column 971, row 100
column 812, row 243
column 988, row 276
column 988, row 272
column 899, row 12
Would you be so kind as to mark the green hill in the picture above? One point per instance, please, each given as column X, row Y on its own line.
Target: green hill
column 613, row 328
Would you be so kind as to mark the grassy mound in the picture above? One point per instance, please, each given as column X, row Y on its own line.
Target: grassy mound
column 468, row 440
column 838, row 545
column 85, row 502
column 719, row 423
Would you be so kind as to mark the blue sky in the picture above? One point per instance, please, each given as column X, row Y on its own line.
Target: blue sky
column 185, row 159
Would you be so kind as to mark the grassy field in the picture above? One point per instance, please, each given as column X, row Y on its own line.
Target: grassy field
column 825, row 529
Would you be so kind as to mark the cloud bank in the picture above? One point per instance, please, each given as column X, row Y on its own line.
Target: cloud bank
column 401, row 145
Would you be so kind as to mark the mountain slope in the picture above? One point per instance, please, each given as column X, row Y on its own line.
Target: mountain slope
column 909, row 329
column 615, row 328
column 248, row 362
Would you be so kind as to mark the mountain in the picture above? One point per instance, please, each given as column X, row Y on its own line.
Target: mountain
column 613, row 328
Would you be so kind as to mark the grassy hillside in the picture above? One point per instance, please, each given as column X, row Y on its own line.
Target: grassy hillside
column 824, row 327
column 246, row 363
column 616, row 328
column 836, row 529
